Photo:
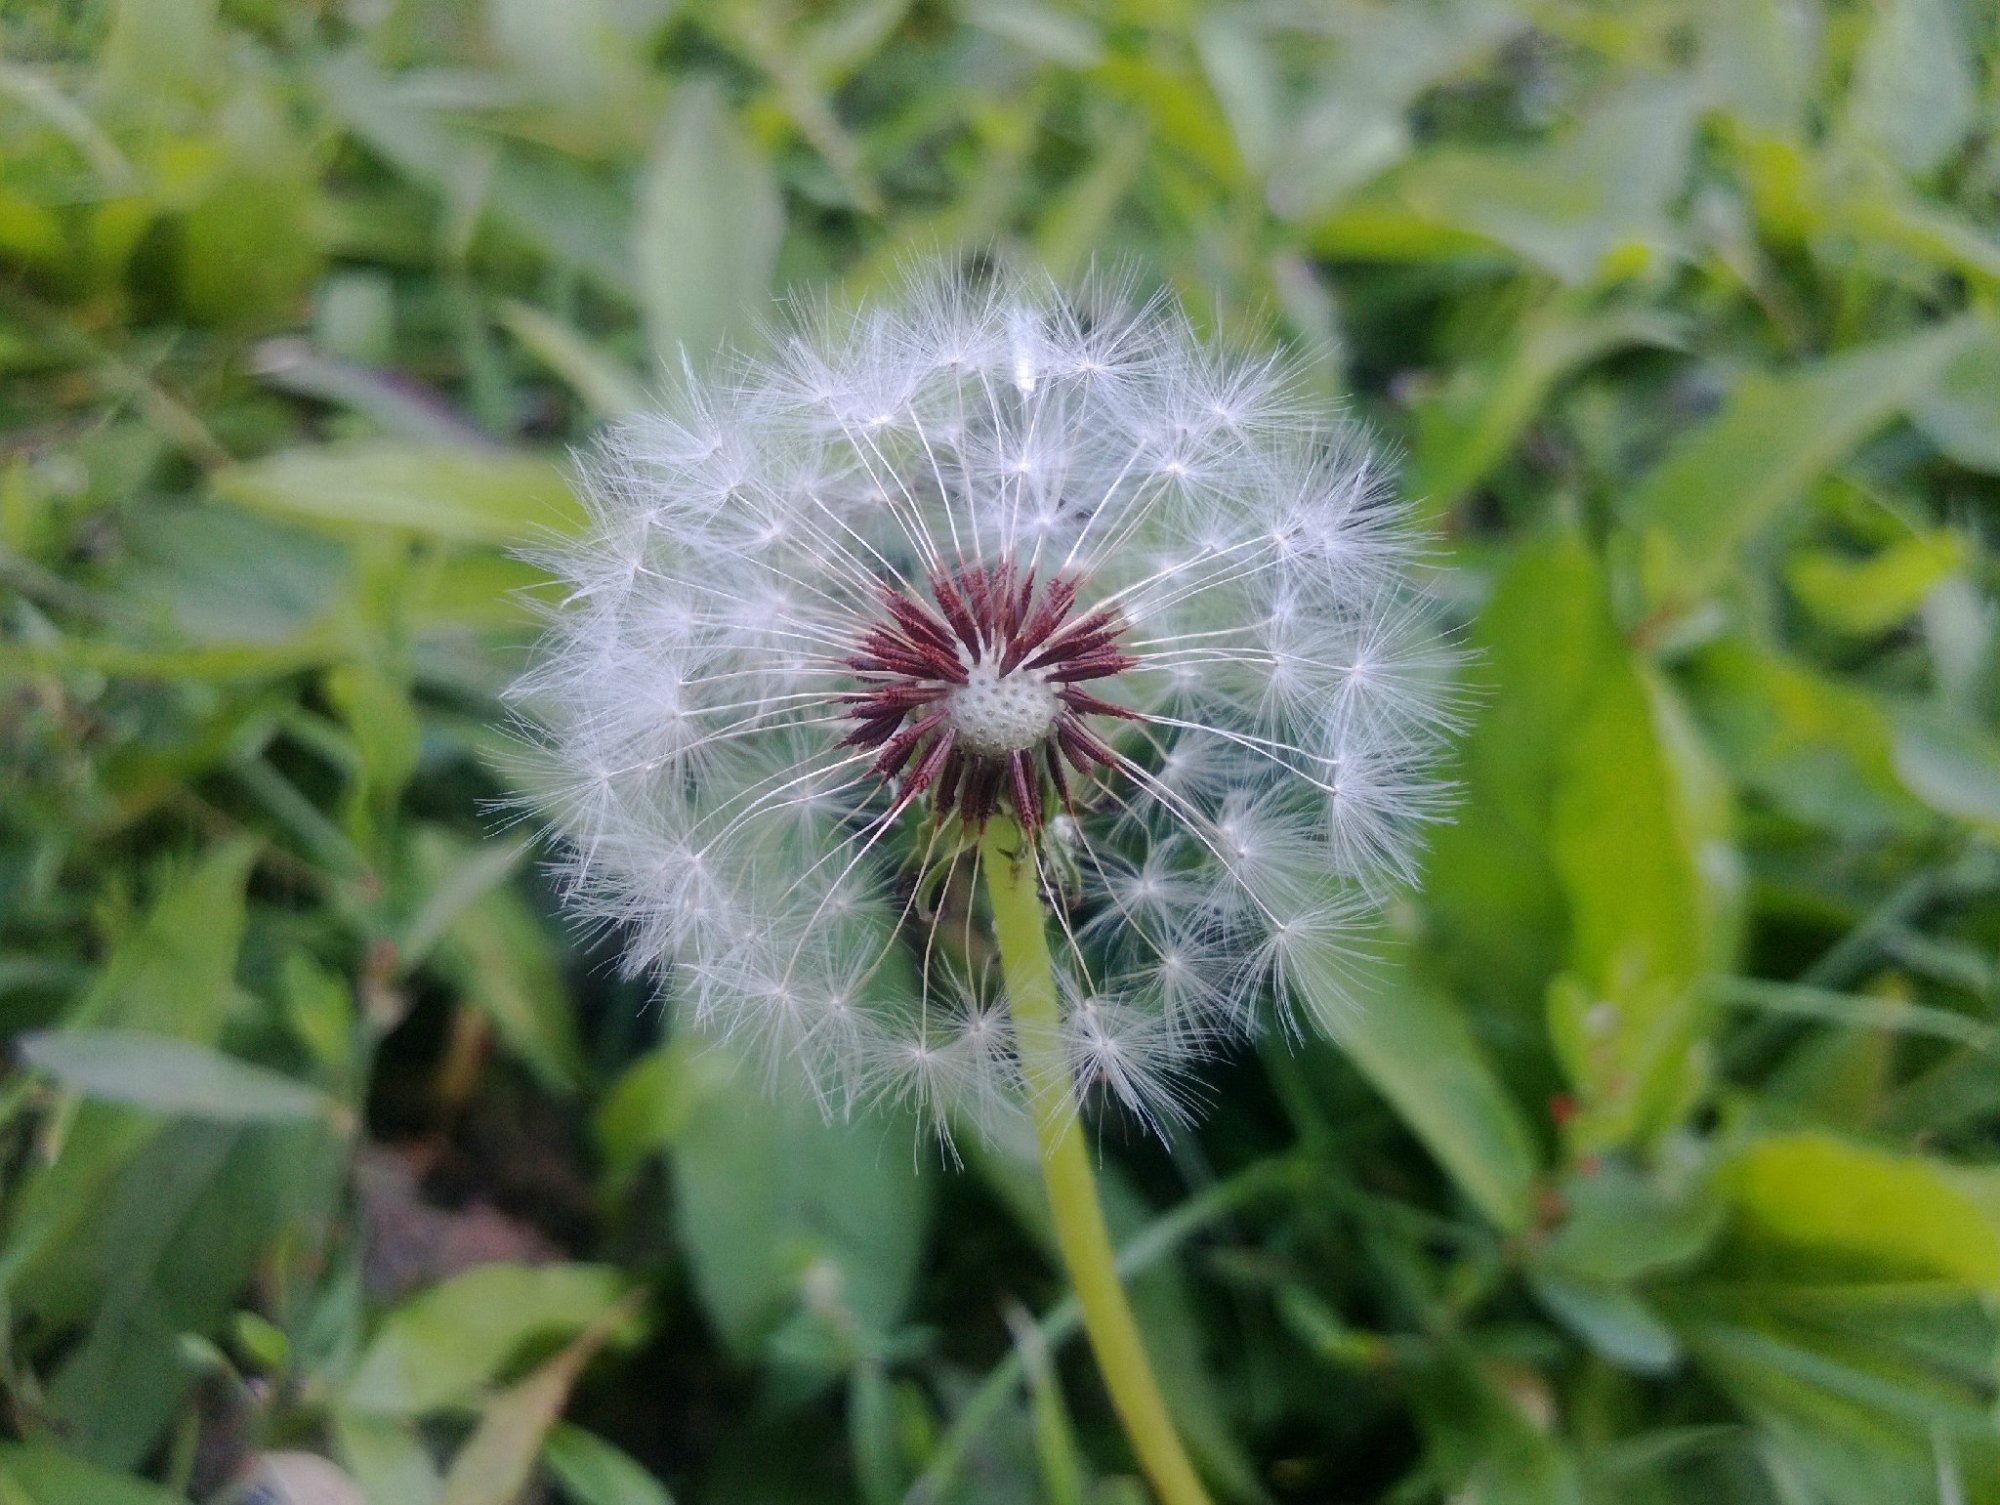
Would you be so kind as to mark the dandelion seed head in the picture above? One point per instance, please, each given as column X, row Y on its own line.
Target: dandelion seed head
column 989, row 549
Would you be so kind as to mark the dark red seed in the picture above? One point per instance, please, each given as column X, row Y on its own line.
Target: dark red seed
column 1043, row 620
column 1027, row 801
column 879, row 700
column 874, row 731
column 1058, row 775
column 1100, row 665
column 950, row 777
column 899, row 747
column 1086, row 704
column 915, row 620
column 919, row 778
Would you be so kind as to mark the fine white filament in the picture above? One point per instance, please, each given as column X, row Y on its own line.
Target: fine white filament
column 1287, row 692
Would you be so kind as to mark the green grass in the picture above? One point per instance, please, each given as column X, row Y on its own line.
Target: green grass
column 1662, row 1163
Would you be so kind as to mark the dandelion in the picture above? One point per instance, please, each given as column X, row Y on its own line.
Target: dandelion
column 1002, row 591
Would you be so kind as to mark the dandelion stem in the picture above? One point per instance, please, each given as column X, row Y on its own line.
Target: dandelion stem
column 1014, row 890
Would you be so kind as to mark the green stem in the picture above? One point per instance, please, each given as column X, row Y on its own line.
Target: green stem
column 1013, row 888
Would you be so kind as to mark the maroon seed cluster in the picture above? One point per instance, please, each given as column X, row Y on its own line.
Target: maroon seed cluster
column 992, row 621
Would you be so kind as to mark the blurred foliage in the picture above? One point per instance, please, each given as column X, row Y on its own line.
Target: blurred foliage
column 1662, row 1164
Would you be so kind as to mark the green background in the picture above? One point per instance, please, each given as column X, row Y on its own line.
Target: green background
column 1658, row 1163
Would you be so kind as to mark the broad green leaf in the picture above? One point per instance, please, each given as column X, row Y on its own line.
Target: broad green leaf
column 1873, row 594
column 1723, row 481
column 1044, row 30
column 1914, row 95
column 1960, row 414
column 387, row 1456
column 1608, row 1317
column 1812, row 744
column 1755, row 63
column 159, row 50
column 1642, row 881
column 247, row 253
column 492, row 947
column 218, row 577
column 573, row 55
column 1582, row 855
column 551, row 201
column 600, row 379
column 1466, row 429
column 377, row 709
column 1499, row 925
column 442, row 1345
column 1368, row 66
column 1621, row 1225
column 1412, row 1044
column 498, row 1459
column 175, row 974
column 172, row 975
column 803, row 1235
column 705, row 237
column 45, row 1475
column 1949, row 764
column 1810, row 1206
column 643, row 1112
column 1861, row 1398
column 1588, row 205
column 593, row 1472
column 168, row 1254
column 463, row 496
column 171, row 1076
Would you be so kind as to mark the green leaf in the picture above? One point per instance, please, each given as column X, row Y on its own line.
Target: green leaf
column 644, row 1111
column 218, row 577
column 247, row 254
column 498, row 1460
column 1723, row 481
column 1960, row 414
column 387, row 1457
column 1368, row 66
column 1873, row 594
column 1467, row 428
column 803, row 1235
column 463, row 496
column 1915, row 95
column 46, row 1475
column 492, row 946
column 705, row 239
column 173, row 1076
column 1588, row 853
column 1815, row 746
column 1950, row 765
column 1413, row 1046
column 440, row 1346
column 1812, row 1206
column 1625, row 1019
column 167, row 1256
column 1587, row 205
column 553, row 202
column 593, row 1472
column 377, row 710
column 1615, row 1323
column 601, row 380
column 1621, row 1225
column 174, row 974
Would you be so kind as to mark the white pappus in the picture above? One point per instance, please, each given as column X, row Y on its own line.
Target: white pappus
column 989, row 549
